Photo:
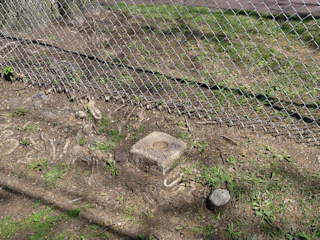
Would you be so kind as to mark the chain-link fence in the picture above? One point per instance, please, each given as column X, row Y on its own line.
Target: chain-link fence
column 244, row 62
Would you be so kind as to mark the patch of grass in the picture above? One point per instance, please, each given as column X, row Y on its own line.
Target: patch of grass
column 18, row 112
column 112, row 168
column 40, row 165
column 7, row 73
column 103, row 125
column 201, row 146
column 29, row 129
column 82, row 141
column 41, row 224
column 26, row 142
column 175, row 164
column 51, row 37
column 114, row 138
column 264, row 185
column 53, row 175
column 255, row 44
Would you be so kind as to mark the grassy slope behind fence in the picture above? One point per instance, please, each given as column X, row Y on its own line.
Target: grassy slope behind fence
column 260, row 59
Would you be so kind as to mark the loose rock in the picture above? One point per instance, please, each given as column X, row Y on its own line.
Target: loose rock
column 219, row 200
column 47, row 115
column 81, row 115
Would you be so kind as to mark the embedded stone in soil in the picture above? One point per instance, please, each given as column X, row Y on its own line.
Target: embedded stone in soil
column 219, row 200
column 156, row 152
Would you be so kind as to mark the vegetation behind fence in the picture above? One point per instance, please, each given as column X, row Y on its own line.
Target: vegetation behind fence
column 252, row 68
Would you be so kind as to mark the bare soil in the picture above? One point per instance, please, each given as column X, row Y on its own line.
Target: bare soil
column 131, row 202
column 135, row 201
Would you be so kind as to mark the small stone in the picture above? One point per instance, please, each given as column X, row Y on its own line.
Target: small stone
column 96, row 113
column 120, row 156
column 6, row 133
column 37, row 105
column 47, row 115
column 219, row 199
column 81, row 153
column 15, row 103
column 48, row 91
column 74, row 109
column 102, row 155
column 42, row 95
column 66, row 109
column 81, row 115
column 9, row 146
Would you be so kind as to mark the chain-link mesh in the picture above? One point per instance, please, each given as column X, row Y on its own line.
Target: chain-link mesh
column 251, row 63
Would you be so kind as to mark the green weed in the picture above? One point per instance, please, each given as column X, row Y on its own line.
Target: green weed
column 26, row 142
column 39, row 225
column 8, row 73
column 82, row 141
column 40, row 165
column 112, row 168
column 18, row 112
column 103, row 125
column 53, row 175
column 29, row 129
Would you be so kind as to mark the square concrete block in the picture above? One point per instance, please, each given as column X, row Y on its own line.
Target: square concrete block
column 156, row 152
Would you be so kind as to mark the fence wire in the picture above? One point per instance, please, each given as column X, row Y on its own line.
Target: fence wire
column 250, row 63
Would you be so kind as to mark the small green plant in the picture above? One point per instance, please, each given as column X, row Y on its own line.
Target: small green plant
column 264, row 209
column 29, row 129
column 129, row 211
column 26, row 142
column 8, row 73
column 175, row 164
column 39, row 225
column 112, row 168
column 18, row 112
column 201, row 146
column 284, row 156
column 51, row 37
column 103, row 125
column 82, row 141
column 39, row 165
column 74, row 213
column 114, row 138
column 121, row 199
column 53, row 175
column 37, row 204
column 208, row 232
column 106, row 146
column 234, row 235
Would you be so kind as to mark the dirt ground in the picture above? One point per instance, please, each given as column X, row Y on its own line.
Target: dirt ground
column 135, row 201
column 53, row 149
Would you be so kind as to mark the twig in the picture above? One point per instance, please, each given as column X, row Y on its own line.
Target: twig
column 120, row 108
column 173, row 183
column 53, row 149
column 188, row 125
column 110, row 225
column 7, row 45
column 8, row 53
column 127, row 119
column 207, row 122
column 65, row 148
column 156, row 236
column 229, row 140
column 75, row 200
column 43, row 139
column 16, row 90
